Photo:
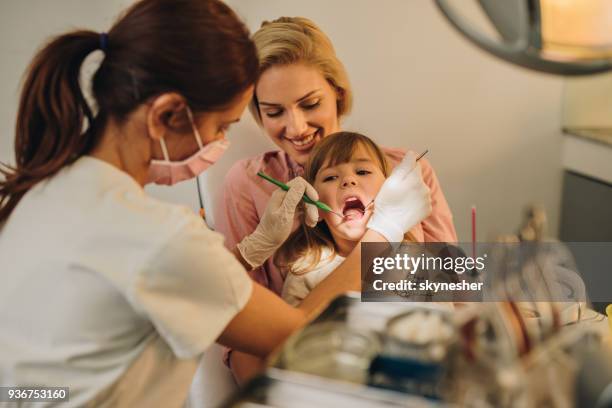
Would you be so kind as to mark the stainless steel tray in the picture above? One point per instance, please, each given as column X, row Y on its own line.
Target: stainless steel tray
column 292, row 390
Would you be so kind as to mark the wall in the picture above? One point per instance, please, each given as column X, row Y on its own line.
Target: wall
column 24, row 27
column 597, row 113
column 492, row 129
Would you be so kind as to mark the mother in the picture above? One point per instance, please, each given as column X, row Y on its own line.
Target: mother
column 301, row 96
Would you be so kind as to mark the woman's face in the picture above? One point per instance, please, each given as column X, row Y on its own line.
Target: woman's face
column 297, row 107
column 349, row 188
column 212, row 126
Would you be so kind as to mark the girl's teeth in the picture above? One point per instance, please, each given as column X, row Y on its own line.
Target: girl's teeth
column 304, row 141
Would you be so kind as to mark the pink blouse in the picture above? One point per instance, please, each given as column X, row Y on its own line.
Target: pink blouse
column 245, row 196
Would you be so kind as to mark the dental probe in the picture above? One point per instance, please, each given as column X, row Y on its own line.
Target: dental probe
column 307, row 199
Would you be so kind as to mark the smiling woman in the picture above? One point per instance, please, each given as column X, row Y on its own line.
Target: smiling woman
column 300, row 98
column 297, row 106
column 304, row 90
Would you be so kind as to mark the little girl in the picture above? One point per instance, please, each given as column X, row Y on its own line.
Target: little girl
column 347, row 170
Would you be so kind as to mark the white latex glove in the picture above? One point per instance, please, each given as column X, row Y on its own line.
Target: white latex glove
column 277, row 222
column 402, row 202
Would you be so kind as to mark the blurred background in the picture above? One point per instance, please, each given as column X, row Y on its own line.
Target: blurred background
column 494, row 131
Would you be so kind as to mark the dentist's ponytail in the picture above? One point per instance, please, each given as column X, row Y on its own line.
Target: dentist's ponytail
column 51, row 115
column 197, row 48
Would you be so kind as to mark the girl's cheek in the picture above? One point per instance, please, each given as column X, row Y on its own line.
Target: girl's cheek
column 329, row 218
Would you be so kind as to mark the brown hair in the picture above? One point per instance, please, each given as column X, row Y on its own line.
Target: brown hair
column 197, row 48
column 306, row 244
column 294, row 40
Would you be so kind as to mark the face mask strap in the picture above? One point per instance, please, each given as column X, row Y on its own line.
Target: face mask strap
column 196, row 135
column 164, row 149
column 195, row 129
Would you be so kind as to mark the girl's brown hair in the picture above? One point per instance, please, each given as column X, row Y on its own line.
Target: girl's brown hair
column 307, row 244
column 197, row 48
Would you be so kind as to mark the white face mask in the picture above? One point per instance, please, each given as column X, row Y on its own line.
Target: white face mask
column 171, row 172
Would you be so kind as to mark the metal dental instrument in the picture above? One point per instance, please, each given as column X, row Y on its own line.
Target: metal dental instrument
column 421, row 155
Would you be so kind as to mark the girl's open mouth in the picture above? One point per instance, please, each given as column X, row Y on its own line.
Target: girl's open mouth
column 353, row 209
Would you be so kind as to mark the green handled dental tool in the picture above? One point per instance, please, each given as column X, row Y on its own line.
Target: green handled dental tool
column 307, row 199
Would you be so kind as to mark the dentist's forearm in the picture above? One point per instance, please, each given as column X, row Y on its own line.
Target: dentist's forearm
column 347, row 277
column 245, row 366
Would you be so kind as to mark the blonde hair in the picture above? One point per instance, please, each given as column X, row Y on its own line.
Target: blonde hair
column 291, row 40
column 305, row 245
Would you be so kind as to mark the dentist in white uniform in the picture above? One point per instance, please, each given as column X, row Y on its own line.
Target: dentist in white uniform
column 113, row 293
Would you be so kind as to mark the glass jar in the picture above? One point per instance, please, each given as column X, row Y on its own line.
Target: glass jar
column 332, row 350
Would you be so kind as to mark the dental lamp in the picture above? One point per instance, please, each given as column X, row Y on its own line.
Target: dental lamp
column 564, row 37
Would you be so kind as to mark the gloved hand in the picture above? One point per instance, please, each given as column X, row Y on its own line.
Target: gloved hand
column 402, row 202
column 277, row 222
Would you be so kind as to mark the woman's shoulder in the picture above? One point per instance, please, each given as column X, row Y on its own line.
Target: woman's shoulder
column 397, row 154
column 273, row 163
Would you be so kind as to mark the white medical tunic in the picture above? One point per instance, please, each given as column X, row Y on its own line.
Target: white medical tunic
column 110, row 292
